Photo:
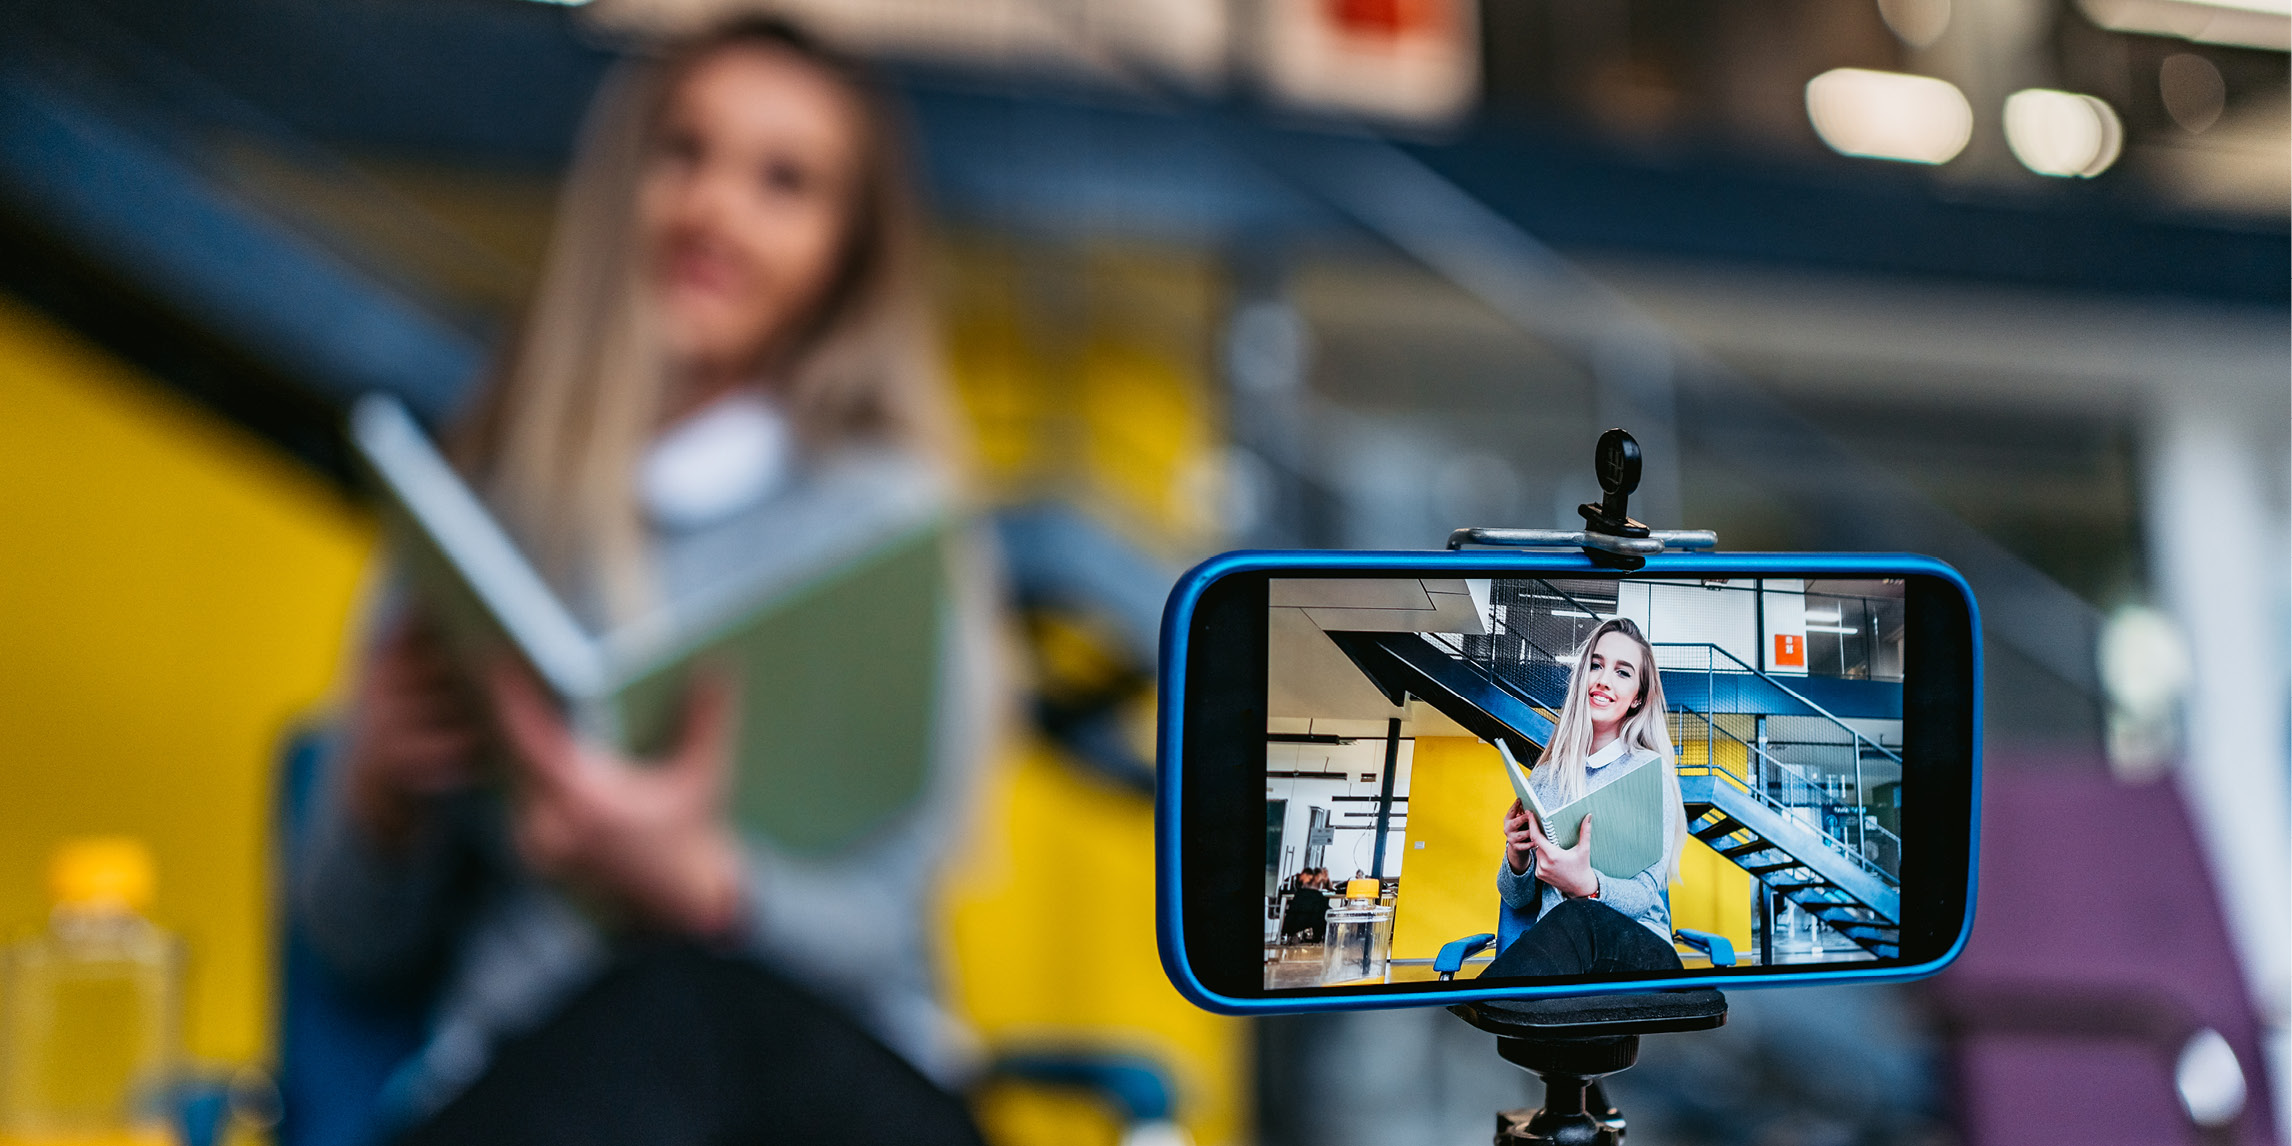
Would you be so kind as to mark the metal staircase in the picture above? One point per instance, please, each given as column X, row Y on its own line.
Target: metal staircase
column 1797, row 860
column 1756, row 815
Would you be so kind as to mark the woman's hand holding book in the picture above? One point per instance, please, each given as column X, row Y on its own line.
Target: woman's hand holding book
column 412, row 735
column 650, row 838
column 1567, row 869
column 1519, row 844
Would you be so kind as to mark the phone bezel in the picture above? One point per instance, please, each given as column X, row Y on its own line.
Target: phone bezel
column 1187, row 811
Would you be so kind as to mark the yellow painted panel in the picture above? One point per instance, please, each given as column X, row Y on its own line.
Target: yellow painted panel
column 1714, row 895
column 999, row 379
column 1146, row 420
column 175, row 595
column 1018, row 1115
column 1051, row 922
column 1457, row 797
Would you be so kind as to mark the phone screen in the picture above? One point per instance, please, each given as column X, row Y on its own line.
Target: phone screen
column 1581, row 776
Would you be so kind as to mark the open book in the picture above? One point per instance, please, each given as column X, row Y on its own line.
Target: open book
column 832, row 627
column 1626, row 809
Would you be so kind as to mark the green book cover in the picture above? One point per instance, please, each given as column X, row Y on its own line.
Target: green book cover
column 1627, row 815
column 836, row 682
column 837, row 651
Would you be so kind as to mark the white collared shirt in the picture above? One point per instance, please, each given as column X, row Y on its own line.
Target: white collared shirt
column 1616, row 750
column 1596, row 771
column 729, row 455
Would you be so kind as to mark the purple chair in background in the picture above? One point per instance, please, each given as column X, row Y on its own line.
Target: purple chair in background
column 2100, row 968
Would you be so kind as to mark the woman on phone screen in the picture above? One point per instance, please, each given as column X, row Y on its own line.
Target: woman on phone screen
column 1560, row 915
column 726, row 362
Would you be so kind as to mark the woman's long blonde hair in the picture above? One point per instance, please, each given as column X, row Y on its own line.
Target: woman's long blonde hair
column 556, row 439
column 1561, row 769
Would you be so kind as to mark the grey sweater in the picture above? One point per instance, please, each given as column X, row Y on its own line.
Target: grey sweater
column 511, row 947
column 1642, row 898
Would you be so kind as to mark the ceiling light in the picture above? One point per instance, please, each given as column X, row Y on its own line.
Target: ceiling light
column 2062, row 133
column 1888, row 115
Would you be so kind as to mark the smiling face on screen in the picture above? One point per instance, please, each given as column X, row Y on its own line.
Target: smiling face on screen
column 1612, row 682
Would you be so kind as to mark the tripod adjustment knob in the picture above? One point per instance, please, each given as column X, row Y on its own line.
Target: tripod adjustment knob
column 1583, row 1057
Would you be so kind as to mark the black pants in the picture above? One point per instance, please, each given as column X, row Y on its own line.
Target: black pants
column 681, row 1047
column 1583, row 937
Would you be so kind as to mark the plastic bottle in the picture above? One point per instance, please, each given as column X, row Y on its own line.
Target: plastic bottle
column 90, row 1009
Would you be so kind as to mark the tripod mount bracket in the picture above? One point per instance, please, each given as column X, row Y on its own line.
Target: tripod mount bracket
column 1610, row 537
column 1592, row 1016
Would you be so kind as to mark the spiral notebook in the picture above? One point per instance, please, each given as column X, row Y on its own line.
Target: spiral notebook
column 1626, row 809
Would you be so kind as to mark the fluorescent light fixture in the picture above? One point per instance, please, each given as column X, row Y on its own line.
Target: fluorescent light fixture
column 2241, row 23
column 1889, row 115
column 1841, row 630
column 1573, row 613
column 2062, row 133
column 1829, row 618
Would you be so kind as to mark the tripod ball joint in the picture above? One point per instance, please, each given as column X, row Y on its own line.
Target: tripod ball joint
column 1616, row 461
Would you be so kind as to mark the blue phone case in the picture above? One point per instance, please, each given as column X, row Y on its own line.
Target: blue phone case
column 1177, row 617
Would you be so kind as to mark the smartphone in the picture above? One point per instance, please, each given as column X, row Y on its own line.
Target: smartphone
column 1747, row 769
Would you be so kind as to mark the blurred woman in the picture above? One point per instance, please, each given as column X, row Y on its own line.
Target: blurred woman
column 1561, row 915
column 727, row 363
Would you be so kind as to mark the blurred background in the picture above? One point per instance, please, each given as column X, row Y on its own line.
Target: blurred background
column 2003, row 281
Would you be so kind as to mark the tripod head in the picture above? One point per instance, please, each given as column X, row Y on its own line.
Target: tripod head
column 1572, row 1043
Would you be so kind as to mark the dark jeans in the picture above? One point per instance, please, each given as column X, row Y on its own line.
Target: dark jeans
column 1583, row 937
column 681, row 1047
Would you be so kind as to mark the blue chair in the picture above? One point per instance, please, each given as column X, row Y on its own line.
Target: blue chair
column 1133, row 1088
column 1453, row 954
column 338, row 1047
column 1450, row 961
column 1718, row 948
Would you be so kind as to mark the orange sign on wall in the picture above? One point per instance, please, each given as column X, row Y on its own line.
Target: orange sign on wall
column 1415, row 61
column 1387, row 19
column 1790, row 650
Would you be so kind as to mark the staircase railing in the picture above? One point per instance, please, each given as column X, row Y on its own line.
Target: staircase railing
column 1785, row 789
column 1711, row 669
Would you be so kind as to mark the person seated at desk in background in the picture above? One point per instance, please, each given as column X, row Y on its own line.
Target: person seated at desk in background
column 1308, row 909
column 1559, row 914
column 733, row 293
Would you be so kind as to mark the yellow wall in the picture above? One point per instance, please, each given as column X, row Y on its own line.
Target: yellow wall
column 1457, row 797
column 1083, row 379
column 1051, row 918
column 175, row 594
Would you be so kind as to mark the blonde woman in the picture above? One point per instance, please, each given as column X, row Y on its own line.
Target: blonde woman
column 1560, row 915
column 726, row 363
